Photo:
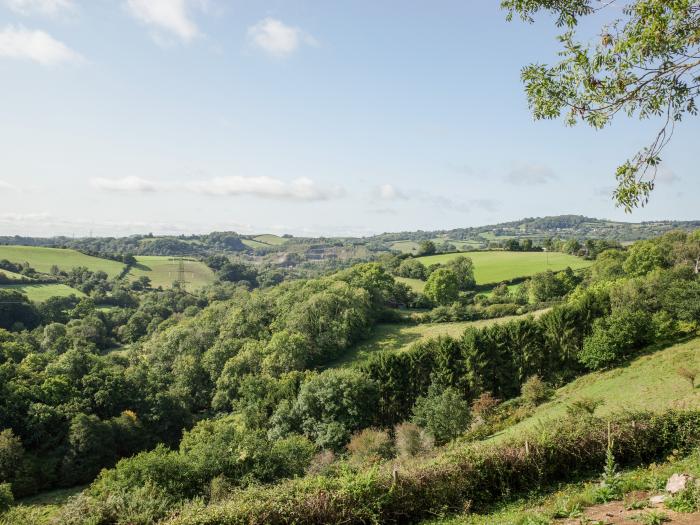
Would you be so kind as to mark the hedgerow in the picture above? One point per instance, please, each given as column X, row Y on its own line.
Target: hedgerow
column 470, row 476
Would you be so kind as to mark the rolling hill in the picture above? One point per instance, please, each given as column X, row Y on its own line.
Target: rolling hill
column 42, row 259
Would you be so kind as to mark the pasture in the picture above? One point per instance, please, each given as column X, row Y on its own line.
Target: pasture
column 498, row 266
column 39, row 293
column 162, row 270
column 268, row 238
column 252, row 243
column 399, row 337
column 12, row 275
column 415, row 284
column 649, row 382
column 42, row 259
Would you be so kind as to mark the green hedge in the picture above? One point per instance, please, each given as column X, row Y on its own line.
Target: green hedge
column 469, row 477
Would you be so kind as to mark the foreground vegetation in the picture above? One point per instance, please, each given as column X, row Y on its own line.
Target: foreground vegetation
column 579, row 502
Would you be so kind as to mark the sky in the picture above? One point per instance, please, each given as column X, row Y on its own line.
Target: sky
column 305, row 117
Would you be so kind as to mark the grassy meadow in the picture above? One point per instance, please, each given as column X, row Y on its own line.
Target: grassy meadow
column 498, row 266
column 41, row 292
column 269, row 238
column 399, row 337
column 162, row 270
column 42, row 259
column 12, row 275
column 649, row 382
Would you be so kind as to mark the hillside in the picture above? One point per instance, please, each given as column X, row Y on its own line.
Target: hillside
column 162, row 271
column 41, row 292
column 42, row 259
column 540, row 228
column 649, row 382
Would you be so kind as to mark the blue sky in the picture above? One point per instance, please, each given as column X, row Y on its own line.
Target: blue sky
column 293, row 116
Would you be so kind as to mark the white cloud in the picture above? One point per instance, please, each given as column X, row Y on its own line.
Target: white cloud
column 298, row 189
column 170, row 16
column 6, row 186
column 529, row 174
column 124, row 184
column 278, row 39
column 303, row 188
column 19, row 43
column 389, row 192
column 39, row 7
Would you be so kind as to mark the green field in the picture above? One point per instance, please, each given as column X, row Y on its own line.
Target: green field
column 12, row 275
column 416, row 284
column 40, row 292
column 399, row 337
column 405, row 246
column 268, row 238
column 251, row 243
column 42, row 259
column 498, row 266
column 162, row 270
column 650, row 382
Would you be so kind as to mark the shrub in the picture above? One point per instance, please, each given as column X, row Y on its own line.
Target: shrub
column 11, row 454
column 535, row 391
column 411, row 440
column 332, row 405
column 370, row 445
column 6, row 497
column 484, row 405
column 443, row 413
column 321, row 463
column 584, row 407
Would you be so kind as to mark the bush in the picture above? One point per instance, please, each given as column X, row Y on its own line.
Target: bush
column 6, row 497
column 584, row 407
column 535, row 391
column 321, row 463
column 485, row 404
column 370, row 445
column 444, row 413
column 411, row 440
column 615, row 337
column 334, row 404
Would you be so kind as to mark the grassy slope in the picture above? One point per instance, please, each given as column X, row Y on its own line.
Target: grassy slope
column 269, row 238
column 12, row 275
column 40, row 292
column 251, row 243
column 416, row 284
column 42, row 259
column 497, row 266
column 162, row 271
column 650, row 382
column 398, row 337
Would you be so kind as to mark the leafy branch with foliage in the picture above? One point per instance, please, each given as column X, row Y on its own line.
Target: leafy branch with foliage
column 645, row 64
